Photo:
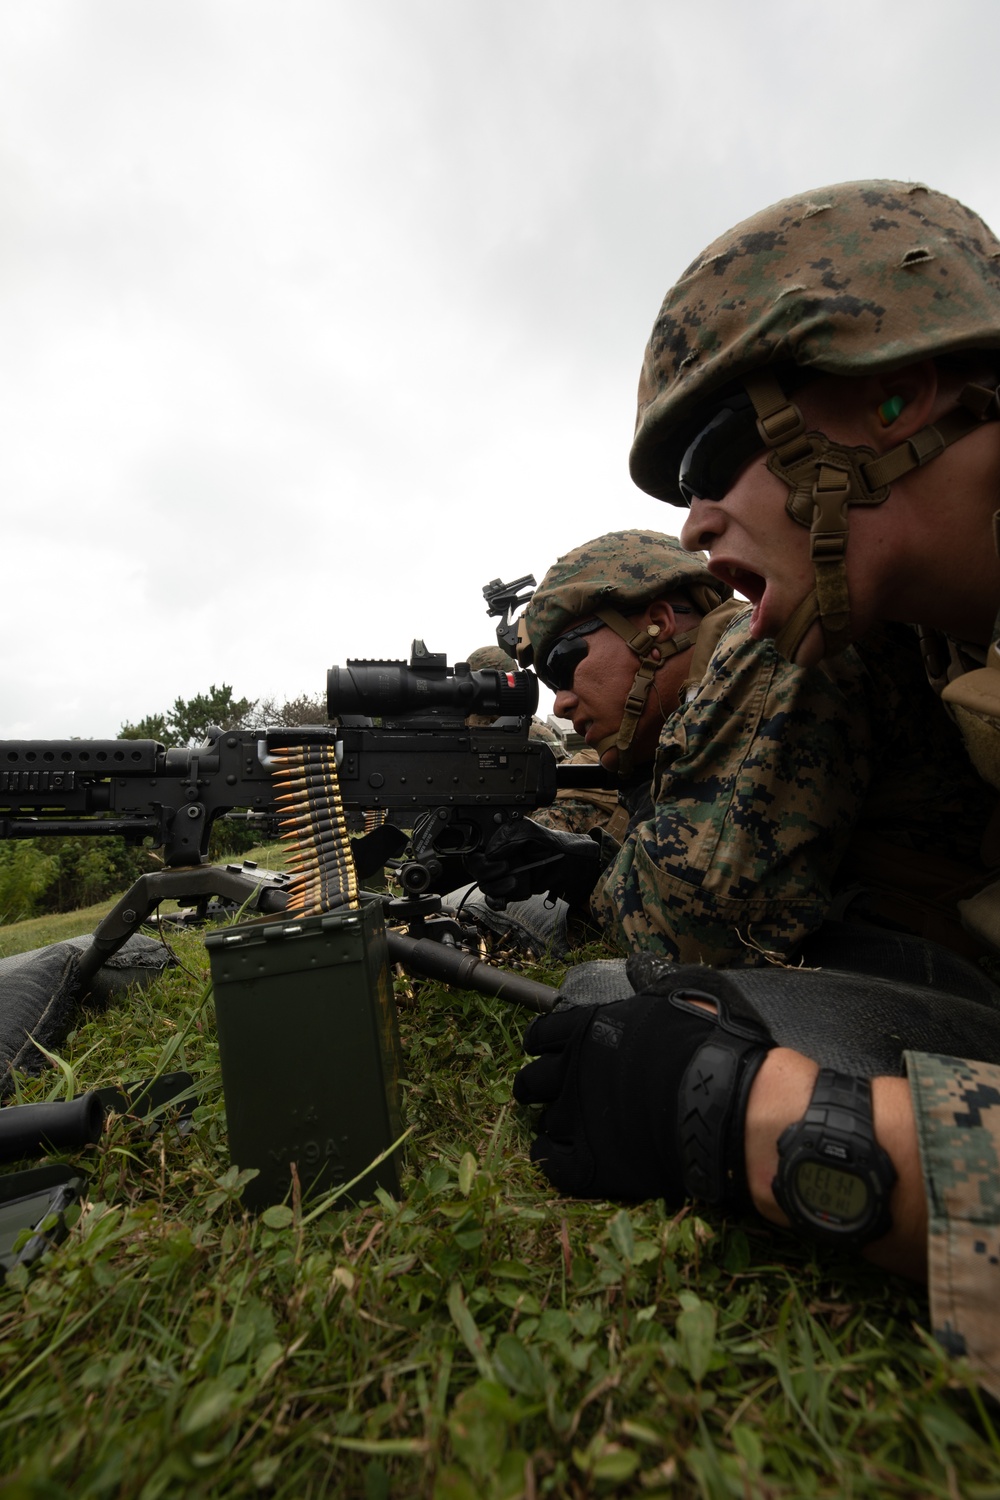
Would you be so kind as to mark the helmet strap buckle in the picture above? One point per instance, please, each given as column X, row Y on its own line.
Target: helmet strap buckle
column 823, row 479
column 982, row 400
column 926, row 444
column 779, row 420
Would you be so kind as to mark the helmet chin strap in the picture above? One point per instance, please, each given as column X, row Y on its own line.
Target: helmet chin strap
column 797, row 627
column 824, row 478
column 642, row 643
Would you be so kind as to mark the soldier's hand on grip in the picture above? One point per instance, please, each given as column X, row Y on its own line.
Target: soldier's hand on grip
column 524, row 859
column 644, row 1098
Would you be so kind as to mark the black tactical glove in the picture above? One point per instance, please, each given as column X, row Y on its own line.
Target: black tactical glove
column 523, row 859
column 645, row 1098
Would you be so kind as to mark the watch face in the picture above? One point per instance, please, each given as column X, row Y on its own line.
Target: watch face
column 830, row 1195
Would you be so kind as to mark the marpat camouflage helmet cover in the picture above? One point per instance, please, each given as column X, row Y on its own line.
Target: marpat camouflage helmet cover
column 622, row 570
column 846, row 280
column 491, row 657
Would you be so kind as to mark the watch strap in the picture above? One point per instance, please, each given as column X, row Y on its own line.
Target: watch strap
column 837, row 1094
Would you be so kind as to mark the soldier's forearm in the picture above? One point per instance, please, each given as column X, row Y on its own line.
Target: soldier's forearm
column 780, row 1096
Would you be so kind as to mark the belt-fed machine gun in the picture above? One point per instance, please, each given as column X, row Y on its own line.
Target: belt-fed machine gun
column 403, row 750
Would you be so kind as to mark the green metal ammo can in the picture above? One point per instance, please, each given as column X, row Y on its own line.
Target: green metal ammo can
column 310, row 1051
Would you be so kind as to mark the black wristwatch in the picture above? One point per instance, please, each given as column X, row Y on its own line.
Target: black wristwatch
column 834, row 1179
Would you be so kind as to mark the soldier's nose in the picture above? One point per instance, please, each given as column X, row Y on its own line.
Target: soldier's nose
column 705, row 521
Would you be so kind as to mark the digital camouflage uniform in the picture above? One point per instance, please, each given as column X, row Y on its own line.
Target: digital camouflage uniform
column 957, row 1109
column 777, row 788
column 847, row 280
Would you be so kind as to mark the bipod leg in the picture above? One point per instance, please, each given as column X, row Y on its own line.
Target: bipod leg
column 185, row 883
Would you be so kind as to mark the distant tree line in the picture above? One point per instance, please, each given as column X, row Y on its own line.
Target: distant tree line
column 190, row 719
column 38, row 876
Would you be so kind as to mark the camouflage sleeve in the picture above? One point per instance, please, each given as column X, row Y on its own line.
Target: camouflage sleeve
column 757, row 786
column 574, row 814
column 957, row 1107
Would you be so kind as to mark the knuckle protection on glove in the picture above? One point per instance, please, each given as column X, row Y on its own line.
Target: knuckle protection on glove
column 514, row 836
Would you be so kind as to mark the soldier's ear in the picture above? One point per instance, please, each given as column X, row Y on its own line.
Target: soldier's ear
column 661, row 613
column 905, row 401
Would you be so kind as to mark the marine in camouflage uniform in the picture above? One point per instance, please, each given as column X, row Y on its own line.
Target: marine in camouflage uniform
column 614, row 577
column 651, row 601
column 854, row 280
column 492, row 658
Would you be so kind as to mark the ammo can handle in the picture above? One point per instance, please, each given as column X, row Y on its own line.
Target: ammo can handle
column 433, row 960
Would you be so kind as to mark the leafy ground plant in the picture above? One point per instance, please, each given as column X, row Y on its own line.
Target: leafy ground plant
column 477, row 1338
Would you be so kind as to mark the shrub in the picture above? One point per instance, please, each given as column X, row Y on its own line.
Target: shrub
column 24, row 874
column 39, row 876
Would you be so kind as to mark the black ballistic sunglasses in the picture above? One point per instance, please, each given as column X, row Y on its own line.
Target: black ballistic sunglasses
column 556, row 671
column 726, row 443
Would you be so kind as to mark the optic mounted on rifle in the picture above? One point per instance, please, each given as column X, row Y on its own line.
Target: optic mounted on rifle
column 426, row 688
column 505, row 599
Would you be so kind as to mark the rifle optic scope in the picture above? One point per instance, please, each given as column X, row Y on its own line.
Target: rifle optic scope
column 374, row 688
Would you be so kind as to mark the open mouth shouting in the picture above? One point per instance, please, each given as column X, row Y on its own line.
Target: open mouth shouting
column 750, row 585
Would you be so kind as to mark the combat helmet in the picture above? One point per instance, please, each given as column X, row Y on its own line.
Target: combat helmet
column 849, row 280
column 608, row 579
column 491, row 656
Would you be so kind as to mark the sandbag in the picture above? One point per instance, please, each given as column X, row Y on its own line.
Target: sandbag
column 38, row 995
column 920, row 998
column 860, row 948
column 40, row 992
column 855, row 1023
column 139, row 961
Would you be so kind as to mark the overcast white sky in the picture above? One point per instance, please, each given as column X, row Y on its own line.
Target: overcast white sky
column 316, row 315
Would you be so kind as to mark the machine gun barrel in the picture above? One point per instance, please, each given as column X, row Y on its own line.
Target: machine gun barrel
column 433, row 960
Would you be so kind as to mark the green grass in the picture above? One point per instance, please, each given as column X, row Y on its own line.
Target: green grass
column 38, row 932
column 479, row 1338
